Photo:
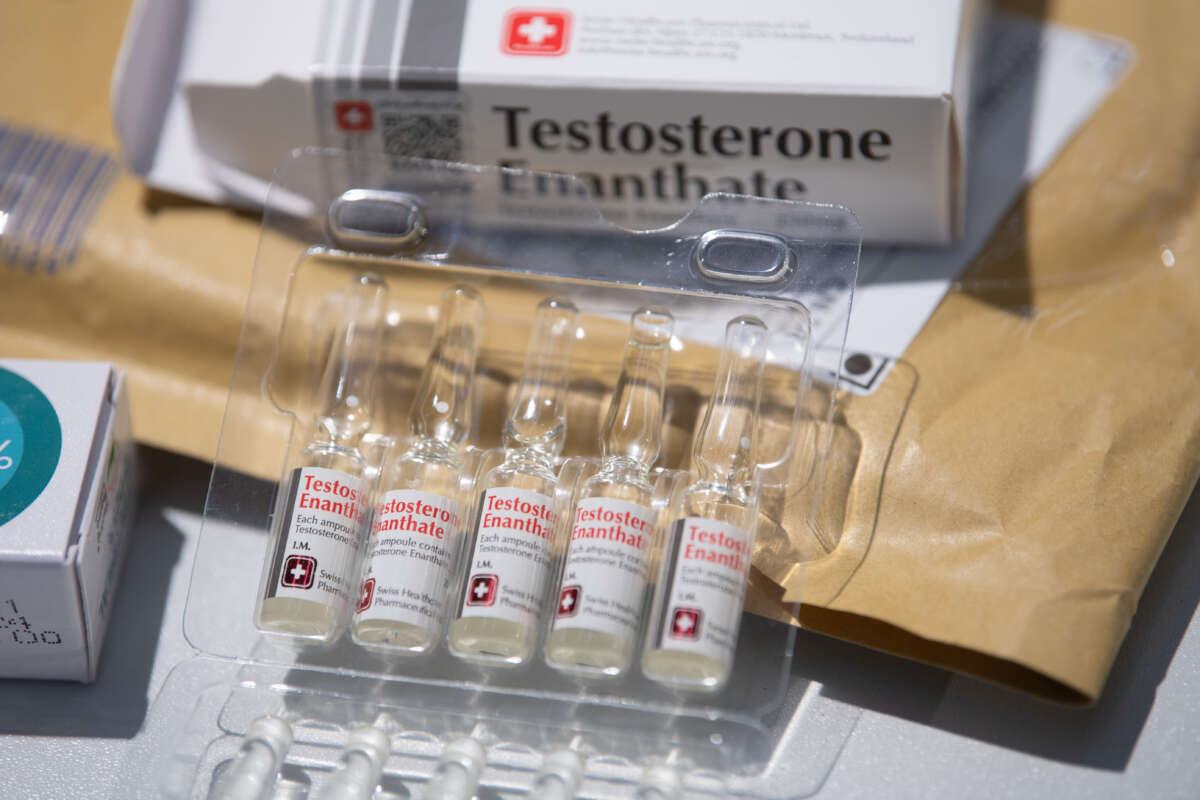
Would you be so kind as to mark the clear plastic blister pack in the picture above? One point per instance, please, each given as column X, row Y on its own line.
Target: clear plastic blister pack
column 491, row 479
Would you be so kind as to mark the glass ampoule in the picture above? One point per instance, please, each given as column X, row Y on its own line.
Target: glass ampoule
column 309, row 574
column 357, row 773
column 456, row 776
column 602, row 590
column 659, row 781
column 499, row 612
column 559, row 777
column 413, row 542
column 706, row 557
column 251, row 774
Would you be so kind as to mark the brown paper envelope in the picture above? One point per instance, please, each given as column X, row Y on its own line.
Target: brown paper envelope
column 1052, row 436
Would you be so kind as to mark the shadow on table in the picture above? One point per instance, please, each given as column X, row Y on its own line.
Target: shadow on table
column 115, row 705
column 1103, row 736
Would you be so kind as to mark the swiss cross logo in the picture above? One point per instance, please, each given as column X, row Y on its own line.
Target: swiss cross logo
column 685, row 623
column 568, row 602
column 298, row 572
column 354, row 116
column 366, row 594
column 482, row 591
column 535, row 32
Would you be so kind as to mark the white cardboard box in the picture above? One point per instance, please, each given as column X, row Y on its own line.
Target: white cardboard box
column 67, row 490
column 861, row 102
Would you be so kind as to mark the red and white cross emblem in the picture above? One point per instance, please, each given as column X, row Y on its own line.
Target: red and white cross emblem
column 298, row 572
column 685, row 623
column 536, row 32
column 482, row 591
column 354, row 116
column 568, row 601
column 365, row 595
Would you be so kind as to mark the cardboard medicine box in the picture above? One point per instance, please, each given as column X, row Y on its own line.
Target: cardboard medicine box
column 67, row 496
column 861, row 102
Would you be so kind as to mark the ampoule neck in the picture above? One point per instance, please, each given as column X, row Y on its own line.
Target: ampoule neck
column 323, row 441
column 721, row 489
column 723, row 454
column 529, row 459
column 431, row 450
column 346, row 393
column 632, row 430
column 624, row 469
column 441, row 411
column 325, row 452
column 537, row 421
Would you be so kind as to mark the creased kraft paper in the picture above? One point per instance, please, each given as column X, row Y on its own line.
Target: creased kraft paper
column 1002, row 498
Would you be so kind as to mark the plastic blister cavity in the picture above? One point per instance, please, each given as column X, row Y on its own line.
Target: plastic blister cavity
column 599, row 602
column 706, row 559
column 251, row 775
column 308, row 576
column 457, row 773
column 559, row 776
column 360, row 766
column 499, row 611
column 418, row 489
column 535, row 363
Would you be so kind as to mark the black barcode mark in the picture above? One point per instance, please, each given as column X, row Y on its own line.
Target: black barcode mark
column 422, row 135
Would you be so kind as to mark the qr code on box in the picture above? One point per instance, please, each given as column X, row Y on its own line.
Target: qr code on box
column 422, row 135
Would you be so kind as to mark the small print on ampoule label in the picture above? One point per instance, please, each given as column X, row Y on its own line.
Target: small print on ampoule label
column 511, row 557
column 604, row 576
column 408, row 563
column 702, row 604
column 317, row 550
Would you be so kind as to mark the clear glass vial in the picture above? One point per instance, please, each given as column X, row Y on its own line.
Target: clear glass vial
column 706, row 556
column 499, row 610
column 602, row 587
column 308, row 576
column 409, row 564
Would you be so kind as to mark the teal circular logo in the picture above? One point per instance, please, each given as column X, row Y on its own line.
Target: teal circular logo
column 30, row 443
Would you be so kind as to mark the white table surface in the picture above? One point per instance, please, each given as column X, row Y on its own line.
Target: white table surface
column 923, row 732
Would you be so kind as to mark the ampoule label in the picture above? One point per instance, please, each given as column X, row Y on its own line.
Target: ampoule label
column 510, row 559
column 702, row 605
column 407, row 573
column 604, row 576
column 317, row 550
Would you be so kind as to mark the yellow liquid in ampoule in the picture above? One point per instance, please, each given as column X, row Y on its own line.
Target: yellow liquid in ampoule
column 602, row 588
column 706, row 555
column 498, row 614
column 309, row 574
column 410, row 562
